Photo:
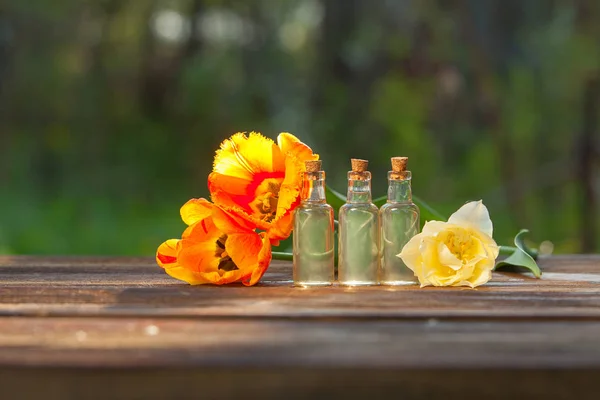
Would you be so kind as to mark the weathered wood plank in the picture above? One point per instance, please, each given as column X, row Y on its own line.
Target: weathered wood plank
column 85, row 286
column 183, row 358
column 121, row 328
column 433, row 343
column 193, row 302
column 292, row 383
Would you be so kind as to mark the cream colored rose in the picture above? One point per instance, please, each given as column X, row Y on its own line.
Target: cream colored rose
column 460, row 252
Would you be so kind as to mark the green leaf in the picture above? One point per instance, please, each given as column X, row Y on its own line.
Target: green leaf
column 520, row 258
column 427, row 212
column 280, row 255
column 334, row 199
column 380, row 201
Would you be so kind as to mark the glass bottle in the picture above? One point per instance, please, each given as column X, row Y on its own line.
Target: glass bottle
column 399, row 223
column 358, row 231
column 313, row 238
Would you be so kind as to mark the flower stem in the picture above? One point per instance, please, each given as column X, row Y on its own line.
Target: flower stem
column 508, row 250
column 279, row 255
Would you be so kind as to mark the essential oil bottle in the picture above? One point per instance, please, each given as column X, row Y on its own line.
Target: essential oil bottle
column 359, row 231
column 313, row 231
column 399, row 223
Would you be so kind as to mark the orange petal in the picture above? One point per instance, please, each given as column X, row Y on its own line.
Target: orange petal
column 198, row 256
column 230, row 221
column 200, row 261
column 289, row 195
column 281, row 228
column 296, row 154
column 201, row 231
column 234, row 185
column 166, row 254
column 185, row 275
column 251, row 253
column 289, row 192
column 231, row 206
column 228, row 191
column 289, row 143
column 167, row 258
column 242, row 165
column 264, row 259
column 195, row 210
column 198, row 246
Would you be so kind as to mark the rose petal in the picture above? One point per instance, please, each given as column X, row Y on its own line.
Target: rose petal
column 447, row 258
column 432, row 228
column 411, row 252
column 474, row 215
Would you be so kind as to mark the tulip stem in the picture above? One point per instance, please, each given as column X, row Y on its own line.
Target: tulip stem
column 280, row 255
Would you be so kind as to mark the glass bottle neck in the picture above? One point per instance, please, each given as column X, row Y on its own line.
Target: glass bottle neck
column 399, row 189
column 359, row 187
column 313, row 187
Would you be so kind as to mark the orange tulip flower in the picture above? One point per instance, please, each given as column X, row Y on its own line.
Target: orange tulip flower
column 217, row 247
column 260, row 181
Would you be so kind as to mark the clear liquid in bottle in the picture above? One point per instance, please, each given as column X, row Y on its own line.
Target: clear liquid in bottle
column 359, row 231
column 400, row 221
column 313, row 237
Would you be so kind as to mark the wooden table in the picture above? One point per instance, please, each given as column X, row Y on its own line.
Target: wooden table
column 84, row 327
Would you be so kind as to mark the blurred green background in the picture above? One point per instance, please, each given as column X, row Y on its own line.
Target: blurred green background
column 110, row 111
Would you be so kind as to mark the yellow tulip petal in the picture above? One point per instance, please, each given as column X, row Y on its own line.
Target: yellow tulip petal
column 260, row 181
column 243, row 156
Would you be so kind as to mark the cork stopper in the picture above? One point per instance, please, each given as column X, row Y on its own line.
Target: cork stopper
column 358, row 166
column 313, row 165
column 399, row 167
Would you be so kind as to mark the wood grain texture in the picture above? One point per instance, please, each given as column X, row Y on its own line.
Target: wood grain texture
column 174, row 342
column 34, row 286
column 97, row 327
